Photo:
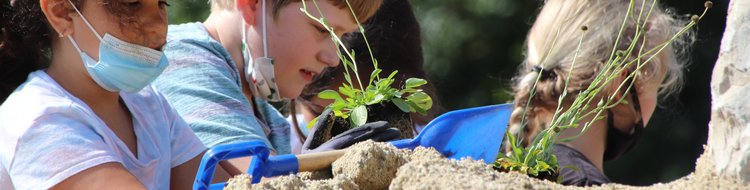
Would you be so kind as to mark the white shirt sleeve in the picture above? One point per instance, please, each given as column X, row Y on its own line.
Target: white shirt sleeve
column 54, row 149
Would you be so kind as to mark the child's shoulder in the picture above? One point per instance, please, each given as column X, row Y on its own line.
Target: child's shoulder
column 189, row 36
column 36, row 98
column 191, row 42
column 192, row 30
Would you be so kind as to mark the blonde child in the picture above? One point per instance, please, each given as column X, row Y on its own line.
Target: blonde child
column 614, row 135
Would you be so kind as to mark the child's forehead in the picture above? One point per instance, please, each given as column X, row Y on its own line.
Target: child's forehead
column 340, row 19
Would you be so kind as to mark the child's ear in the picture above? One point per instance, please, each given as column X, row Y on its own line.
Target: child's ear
column 247, row 9
column 58, row 15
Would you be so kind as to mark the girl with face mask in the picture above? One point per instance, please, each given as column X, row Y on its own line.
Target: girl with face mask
column 623, row 124
column 86, row 117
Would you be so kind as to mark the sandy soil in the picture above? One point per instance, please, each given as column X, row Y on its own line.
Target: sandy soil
column 370, row 165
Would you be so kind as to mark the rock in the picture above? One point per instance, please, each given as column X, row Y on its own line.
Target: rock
column 728, row 151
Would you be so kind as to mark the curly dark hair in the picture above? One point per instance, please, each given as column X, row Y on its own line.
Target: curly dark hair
column 26, row 38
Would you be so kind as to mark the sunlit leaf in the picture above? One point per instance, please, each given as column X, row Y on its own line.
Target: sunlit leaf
column 421, row 99
column 329, row 95
column 359, row 116
column 377, row 99
column 415, row 82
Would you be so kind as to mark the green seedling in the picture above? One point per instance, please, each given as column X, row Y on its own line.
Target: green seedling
column 351, row 99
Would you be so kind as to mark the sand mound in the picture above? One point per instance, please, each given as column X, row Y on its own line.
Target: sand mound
column 371, row 165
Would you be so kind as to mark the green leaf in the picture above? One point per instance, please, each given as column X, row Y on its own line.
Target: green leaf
column 375, row 74
column 415, row 108
column 541, row 166
column 377, row 99
column 346, row 90
column 371, row 88
column 359, row 116
column 409, row 90
column 401, row 104
column 329, row 95
column 339, row 113
column 393, row 74
column 415, row 82
column 421, row 99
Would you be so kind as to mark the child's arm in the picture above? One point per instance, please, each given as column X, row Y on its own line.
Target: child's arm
column 183, row 176
column 105, row 176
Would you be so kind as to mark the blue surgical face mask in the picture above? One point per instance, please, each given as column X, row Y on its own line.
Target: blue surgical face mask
column 122, row 66
column 259, row 72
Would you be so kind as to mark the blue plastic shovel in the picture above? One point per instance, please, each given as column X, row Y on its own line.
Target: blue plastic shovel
column 474, row 132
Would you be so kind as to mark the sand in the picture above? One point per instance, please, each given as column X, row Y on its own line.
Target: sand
column 371, row 165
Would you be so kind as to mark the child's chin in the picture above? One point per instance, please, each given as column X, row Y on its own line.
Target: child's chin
column 286, row 94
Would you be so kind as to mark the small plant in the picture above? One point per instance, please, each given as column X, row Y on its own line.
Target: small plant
column 537, row 159
column 351, row 99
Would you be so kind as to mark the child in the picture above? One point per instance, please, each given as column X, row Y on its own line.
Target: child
column 394, row 36
column 211, row 62
column 618, row 132
column 88, row 119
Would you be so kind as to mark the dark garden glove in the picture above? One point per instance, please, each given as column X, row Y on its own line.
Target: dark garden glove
column 378, row 131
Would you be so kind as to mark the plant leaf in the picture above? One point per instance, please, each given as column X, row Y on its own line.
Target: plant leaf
column 359, row 116
column 329, row 94
column 392, row 74
column 415, row 82
column 375, row 74
column 421, row 99
column 346, row 90
column 377, row 99
column 401, row 104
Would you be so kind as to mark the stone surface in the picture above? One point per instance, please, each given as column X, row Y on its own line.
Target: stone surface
column 728, row 150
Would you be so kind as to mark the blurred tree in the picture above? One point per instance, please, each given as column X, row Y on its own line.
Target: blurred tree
column 185, row 11
column 472, row 48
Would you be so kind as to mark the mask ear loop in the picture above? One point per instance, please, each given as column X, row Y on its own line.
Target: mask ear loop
column 636, row 103
column 636, row 106
column 263, row 33
column 265, row 40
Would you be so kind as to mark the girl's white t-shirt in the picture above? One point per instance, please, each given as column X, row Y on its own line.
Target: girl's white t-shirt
column 48, row 135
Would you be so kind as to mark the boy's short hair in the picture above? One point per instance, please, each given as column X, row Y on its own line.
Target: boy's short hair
column 363, row 9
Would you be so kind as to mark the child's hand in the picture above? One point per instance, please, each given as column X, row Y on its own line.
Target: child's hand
column 378, row 131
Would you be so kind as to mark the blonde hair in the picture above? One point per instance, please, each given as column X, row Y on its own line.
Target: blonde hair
column 363, row 9
column 563, row 22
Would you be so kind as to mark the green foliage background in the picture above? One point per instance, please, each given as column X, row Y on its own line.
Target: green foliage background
column 472, row 49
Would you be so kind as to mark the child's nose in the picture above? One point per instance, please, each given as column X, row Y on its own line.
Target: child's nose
column 329, row 56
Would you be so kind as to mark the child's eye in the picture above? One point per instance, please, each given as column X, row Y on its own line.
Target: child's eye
column 164, row 4
column 133, row 4
column 321, row 29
